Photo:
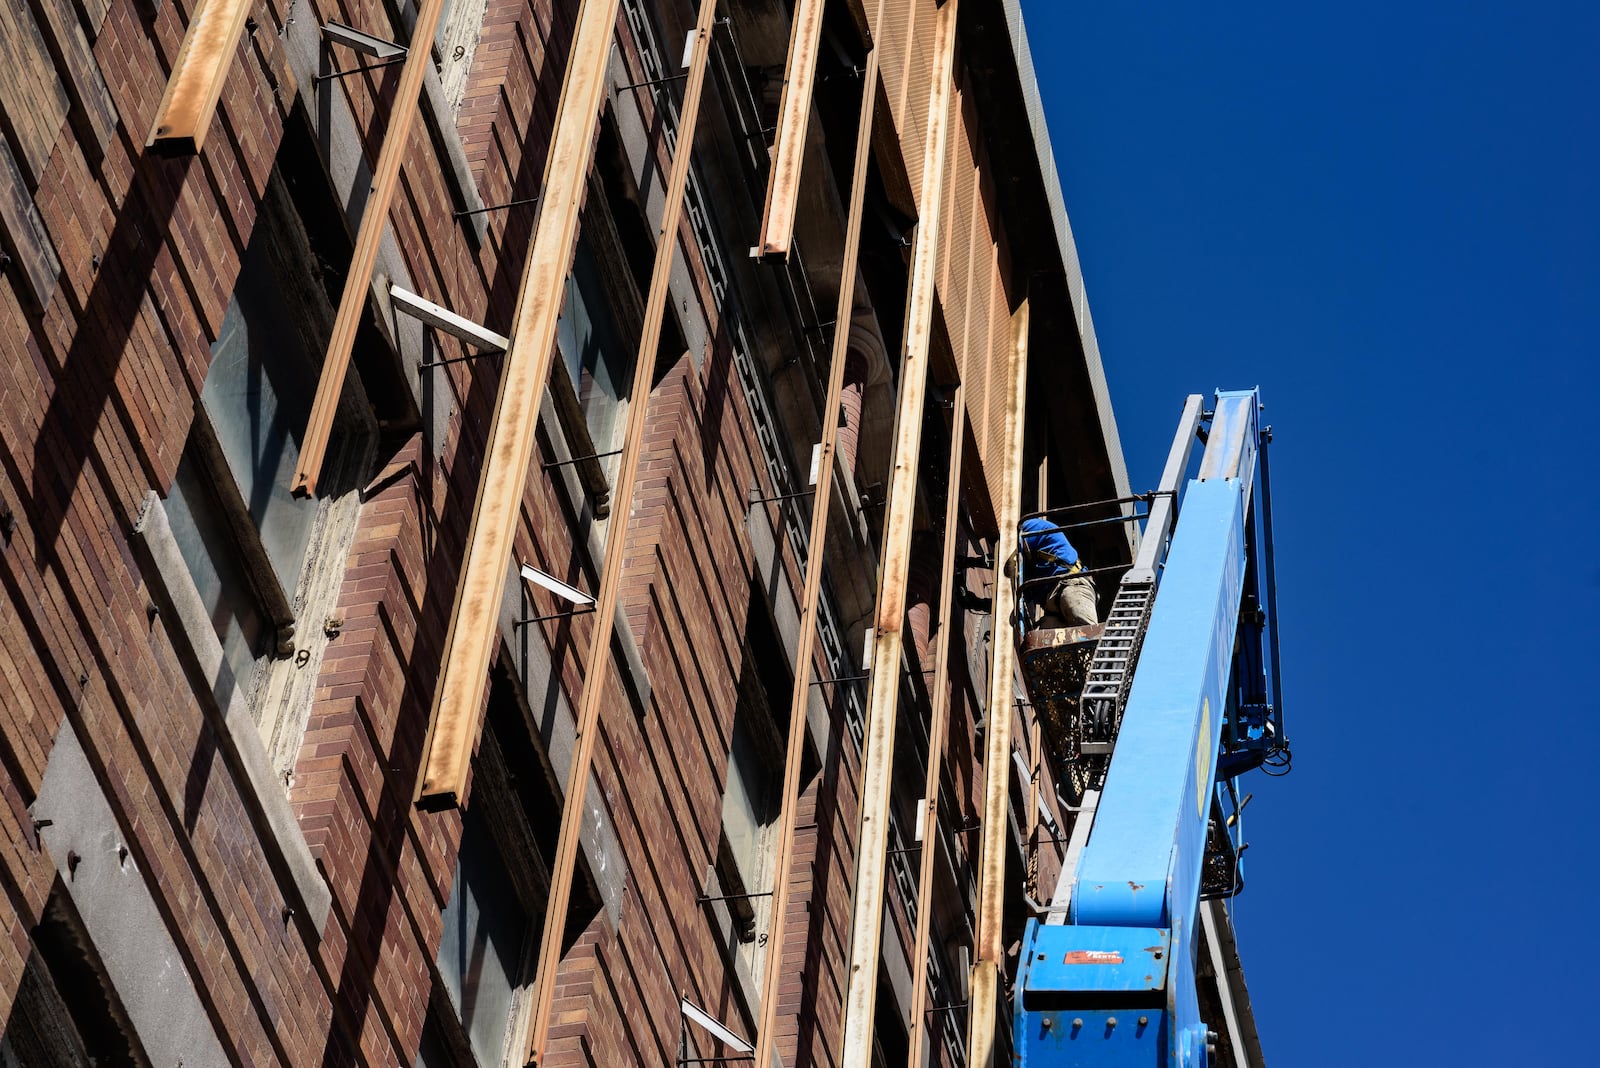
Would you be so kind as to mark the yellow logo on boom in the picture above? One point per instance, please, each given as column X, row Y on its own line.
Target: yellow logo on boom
column 1202, row 757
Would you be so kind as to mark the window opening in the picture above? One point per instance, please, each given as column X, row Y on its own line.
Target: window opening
column 598, row 358
column 249, row 544
column 751, row 794
column 66, row 1012
column 483, row 982
column 890, row 1042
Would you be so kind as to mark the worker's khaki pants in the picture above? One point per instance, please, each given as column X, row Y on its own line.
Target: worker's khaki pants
column 1073, row 601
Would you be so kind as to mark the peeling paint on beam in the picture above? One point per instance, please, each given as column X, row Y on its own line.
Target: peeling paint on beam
column 989, row 954
column 789, row 144
column 877, row 758
column 358, row 280
column 821, row 501
column 474, row 620
column 598, row 663
column 195, row 85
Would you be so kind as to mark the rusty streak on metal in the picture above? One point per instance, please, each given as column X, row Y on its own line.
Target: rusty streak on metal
column 186, row 107
column 470, row 642
column 789, row 143
column 358, row 280
column 877, row 757
column 767, row 1022
column 937, row 728
column 598, row 662
column 989, row 957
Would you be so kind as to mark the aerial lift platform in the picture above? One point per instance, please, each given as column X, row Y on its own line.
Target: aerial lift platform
column 1154, row 715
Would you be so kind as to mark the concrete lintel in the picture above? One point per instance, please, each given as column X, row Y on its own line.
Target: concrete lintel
column 108, row 889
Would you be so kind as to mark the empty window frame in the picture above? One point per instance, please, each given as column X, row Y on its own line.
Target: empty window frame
column 890, row 1042
column 249, row 544
column 493, row 921
column 602, row 319
column 752, row 793
column 66, row 1011
column 597, row 356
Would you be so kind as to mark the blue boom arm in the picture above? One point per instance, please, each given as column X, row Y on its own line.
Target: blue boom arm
column 1112, row 981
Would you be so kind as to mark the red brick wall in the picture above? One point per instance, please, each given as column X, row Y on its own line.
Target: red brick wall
column 97, row 393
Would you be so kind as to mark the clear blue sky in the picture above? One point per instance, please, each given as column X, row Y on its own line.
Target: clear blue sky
column 1384, row 215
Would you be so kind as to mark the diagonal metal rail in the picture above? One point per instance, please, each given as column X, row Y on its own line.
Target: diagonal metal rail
column 877, row 757
column 766, row 1024
column 989, row 955
column 374, row 218
column 599, row 659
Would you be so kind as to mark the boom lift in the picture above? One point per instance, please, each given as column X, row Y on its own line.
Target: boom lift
column 1180, row 697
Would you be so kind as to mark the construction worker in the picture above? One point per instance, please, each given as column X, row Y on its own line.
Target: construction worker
column 1046, row 553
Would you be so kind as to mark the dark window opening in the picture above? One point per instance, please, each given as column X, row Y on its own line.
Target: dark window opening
column 326, row 228
column 752, row 792
column 242, row 532
column 636, row 237
column 885, row 258
column 494, row 919
column 891, row 1044
column 598, row 337
column 66, row 1011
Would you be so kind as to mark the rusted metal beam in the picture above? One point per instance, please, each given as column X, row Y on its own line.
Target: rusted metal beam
column 767, row 1021
column 184, row 115
column 877, row 757
column 789, row 143
column 469, row 644
column 358, row 280
column 989, row 955
column 938, row 727
column 598, row 663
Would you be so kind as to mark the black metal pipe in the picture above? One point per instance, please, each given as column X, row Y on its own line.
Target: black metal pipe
column 653, row 81
column 781, row 497
column 459, row 359
column 357, row 70
column 553, row 615
column 1093, row 523
column 1134, row 499
column 844, row 678
column 580, row 459
column 1033, row 583
column 497, row 207
column 732, row 897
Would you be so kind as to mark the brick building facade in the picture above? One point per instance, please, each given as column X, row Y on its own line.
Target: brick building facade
column 215, row 694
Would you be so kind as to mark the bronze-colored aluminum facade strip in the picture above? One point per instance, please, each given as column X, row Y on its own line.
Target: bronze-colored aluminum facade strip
column 358, row 280
column 767, row 1020
column 789, row 142
column 989, row 955
column 877, row 758
column 474, row 620
column 938, row 727
column 598, row 663
column 195, row 85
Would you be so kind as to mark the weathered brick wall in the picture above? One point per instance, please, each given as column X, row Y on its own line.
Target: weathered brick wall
column 100, row 369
